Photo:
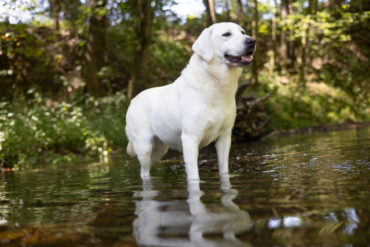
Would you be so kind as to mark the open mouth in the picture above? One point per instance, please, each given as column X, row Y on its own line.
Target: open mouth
column 239, row 60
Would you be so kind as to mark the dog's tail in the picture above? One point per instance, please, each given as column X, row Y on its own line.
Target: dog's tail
column 130, row 150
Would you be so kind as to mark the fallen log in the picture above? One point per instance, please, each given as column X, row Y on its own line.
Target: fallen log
column 251, row 118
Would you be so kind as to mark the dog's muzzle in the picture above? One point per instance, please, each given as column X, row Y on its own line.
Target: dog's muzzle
column 250, row 45
column 246, row 58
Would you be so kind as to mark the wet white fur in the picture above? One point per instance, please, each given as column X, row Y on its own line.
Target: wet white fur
column 195, row 110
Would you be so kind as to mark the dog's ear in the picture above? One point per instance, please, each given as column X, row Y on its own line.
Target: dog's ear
column 203, row 46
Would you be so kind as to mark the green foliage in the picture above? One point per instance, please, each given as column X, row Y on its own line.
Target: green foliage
column 291, row 106
column 106, row 115
column 171, row 55
column 334, row 52
column 322, row 78
column 35, row 55
column 44, row 132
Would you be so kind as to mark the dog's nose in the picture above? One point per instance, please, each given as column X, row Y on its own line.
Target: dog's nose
column 250, row 41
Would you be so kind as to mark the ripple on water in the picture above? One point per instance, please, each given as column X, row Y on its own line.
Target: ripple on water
column 296, row 190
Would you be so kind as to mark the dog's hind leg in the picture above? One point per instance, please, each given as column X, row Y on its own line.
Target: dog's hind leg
column 159, row 150
column 143, row 149
column 130, row 150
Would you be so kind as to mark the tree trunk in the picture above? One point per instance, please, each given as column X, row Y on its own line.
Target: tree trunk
column 291, row 46
column 312, row 6
column 254, row 78
column 211, row 14
column 227, row 10
column 302, row 67
column 143, row 27
column 71, row 12
column 283, row 37
column 55, row 10
column 273, row 37
column 240, row 13
column 95, row 48
column 305, row 46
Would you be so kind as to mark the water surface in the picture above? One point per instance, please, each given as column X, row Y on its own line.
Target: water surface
column 296, row 190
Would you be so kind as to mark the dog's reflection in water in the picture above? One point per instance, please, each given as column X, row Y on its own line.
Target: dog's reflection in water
column 189, row 223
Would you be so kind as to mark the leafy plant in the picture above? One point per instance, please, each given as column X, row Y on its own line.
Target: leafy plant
column 42, row 132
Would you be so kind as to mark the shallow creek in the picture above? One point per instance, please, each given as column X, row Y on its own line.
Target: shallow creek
column 299, row 190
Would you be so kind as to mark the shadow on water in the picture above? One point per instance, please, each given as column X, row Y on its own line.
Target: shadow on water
column 297, row 190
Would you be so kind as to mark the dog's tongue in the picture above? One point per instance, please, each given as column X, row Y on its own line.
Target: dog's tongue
column 247, row 58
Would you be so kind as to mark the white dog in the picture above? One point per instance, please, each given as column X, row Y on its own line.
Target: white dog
column 195, row 110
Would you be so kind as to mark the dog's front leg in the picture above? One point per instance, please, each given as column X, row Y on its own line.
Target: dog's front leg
column 190, row 150
column 223, row 144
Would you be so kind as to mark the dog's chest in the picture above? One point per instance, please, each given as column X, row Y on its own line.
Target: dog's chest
column 217, row 120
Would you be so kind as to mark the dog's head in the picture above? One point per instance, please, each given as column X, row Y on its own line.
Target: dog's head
column 227, row 43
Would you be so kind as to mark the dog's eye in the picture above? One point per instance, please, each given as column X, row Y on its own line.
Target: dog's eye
column 243, row 32
column 226, row 34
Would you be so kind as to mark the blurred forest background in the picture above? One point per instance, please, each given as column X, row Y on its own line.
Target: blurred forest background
column 67, row 74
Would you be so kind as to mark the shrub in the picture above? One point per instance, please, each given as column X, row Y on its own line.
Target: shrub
column 45, row 132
